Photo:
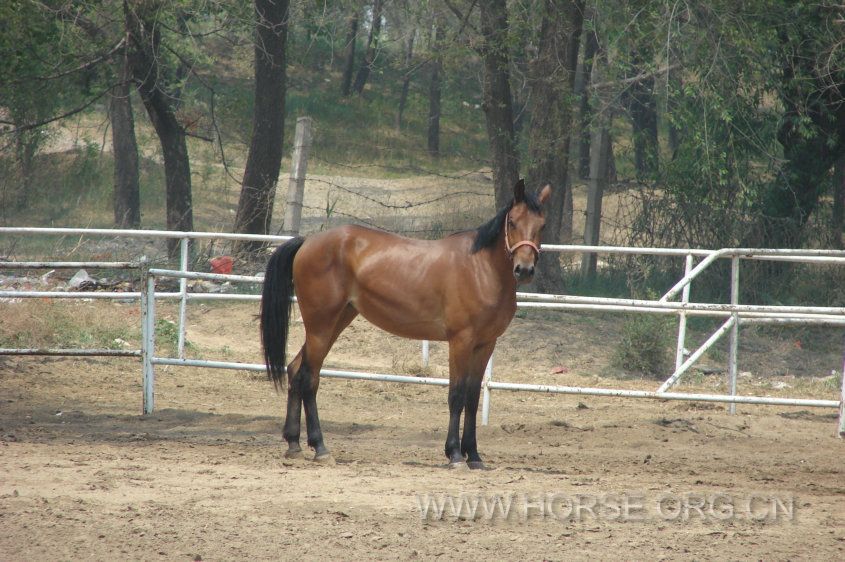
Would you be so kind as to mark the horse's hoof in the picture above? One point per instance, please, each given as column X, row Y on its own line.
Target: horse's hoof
column 291, row 454
column 461, row 465
column 475, row 465
column 326, row 459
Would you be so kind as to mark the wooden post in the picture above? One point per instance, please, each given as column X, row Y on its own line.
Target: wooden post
column 298, row 170
column 599, row 152
column 600, row 149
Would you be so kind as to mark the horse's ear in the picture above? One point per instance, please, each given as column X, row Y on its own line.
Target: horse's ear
column 544, row 194
column 519, row 191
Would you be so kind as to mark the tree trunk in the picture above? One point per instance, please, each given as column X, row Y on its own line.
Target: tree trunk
column 255, row 207
column 127, row 191
column 435, row 90
column 601, row 163
column 497, row 101
column 26, row 144
column 591, row 47
column 642, row 107
column 349, row 56
column 552, row 80
column 406, row 79
column 370, row 52
column 144, row 56
column 126, row 198
column 599, row 157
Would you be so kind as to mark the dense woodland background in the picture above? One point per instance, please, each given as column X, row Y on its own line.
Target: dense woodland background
column 723, row 120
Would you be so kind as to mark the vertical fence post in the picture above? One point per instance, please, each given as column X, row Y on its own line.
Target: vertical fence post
column 841, row 431
column 147, row 339
column 682, row 318
column 298, row 170
column 734, row 341
column 485, row 390
column 425, row 352
column 183, row 296
column 600, row 141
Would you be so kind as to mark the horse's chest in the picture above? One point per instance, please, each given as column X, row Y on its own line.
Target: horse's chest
column 492, row 320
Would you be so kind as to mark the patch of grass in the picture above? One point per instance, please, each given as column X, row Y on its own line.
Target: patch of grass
column 644, row 346
column 694, row 377
column 167, row 336
column 832, row 383
column 35, row 323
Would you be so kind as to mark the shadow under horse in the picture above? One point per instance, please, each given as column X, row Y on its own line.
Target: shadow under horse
column 461, row 289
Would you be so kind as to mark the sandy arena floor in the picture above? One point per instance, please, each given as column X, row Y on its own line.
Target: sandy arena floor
column 82, row 475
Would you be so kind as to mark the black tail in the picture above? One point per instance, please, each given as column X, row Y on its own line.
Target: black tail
column 275, row 308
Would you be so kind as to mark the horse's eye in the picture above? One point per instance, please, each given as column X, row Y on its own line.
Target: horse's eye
column 511, row 224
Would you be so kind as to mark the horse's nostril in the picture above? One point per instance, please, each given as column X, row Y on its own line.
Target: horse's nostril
column 517, row 269
column 530, row 271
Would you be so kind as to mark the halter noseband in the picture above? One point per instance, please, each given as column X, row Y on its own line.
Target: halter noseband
column 511, row 249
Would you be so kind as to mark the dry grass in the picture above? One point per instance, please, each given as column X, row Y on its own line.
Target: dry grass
column 42, row 323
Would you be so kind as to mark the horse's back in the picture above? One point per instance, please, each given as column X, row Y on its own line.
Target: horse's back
column 358, row 248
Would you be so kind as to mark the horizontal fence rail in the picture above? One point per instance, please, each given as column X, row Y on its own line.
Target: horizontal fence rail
column 734, row 313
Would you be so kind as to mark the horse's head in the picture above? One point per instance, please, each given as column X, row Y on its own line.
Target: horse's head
column 523, row 226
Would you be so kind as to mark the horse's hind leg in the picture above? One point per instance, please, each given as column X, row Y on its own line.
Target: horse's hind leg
column 318, row 342
column 294, row 411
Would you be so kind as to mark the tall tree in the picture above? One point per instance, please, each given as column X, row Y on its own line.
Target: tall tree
column 812, row 127
column 29, row 51
column 255, row 208
column 145, row 56
column 497, row 98
column 640, row 102
column 406, row 78
column 600, row 154
column 84, row 28
column 591, row 46
column 552, row 75
column 349, row 54
column 370, row 50
column 435, row 88
column 127, row 190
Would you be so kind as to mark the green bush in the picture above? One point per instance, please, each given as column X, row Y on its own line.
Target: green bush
column 644, row 348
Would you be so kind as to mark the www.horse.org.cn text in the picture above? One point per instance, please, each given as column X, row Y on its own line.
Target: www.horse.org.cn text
column 684, row 507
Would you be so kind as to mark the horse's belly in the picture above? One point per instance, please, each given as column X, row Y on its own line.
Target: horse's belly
column 402, row 317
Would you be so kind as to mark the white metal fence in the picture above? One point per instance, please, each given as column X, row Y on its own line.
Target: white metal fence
column 734, row 313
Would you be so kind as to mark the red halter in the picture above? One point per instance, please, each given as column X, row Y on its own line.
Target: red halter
column 511, row 249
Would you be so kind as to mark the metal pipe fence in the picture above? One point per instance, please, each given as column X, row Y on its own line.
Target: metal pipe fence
column 735, row 314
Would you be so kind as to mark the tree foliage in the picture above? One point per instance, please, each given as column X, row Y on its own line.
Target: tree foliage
column 727, row 119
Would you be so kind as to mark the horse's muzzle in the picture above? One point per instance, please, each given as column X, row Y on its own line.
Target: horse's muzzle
column 523, row 273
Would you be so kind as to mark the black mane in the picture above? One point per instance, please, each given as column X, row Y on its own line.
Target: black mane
column 487, row 234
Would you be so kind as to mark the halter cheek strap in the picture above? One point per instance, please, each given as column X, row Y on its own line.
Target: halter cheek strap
column 511, row 249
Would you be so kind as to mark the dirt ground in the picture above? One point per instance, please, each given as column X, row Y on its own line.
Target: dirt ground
column 83, row 475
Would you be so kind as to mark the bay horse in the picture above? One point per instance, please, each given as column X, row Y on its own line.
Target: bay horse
column 461, row 289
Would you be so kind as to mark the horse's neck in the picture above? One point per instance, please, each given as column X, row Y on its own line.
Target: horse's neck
column 502, row 264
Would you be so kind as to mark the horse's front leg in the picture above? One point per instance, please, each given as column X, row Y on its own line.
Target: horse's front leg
column 469, row 445
column 457, row 401
column 460, row 355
